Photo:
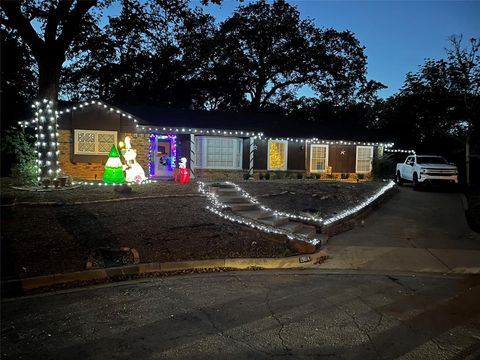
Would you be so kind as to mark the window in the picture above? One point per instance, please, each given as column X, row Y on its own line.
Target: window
column 218, row 152
column 277, row 155
column 94, row 142
column 364, row 159
column 318, row 158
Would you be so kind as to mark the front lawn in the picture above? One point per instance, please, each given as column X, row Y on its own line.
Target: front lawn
column 170, row 223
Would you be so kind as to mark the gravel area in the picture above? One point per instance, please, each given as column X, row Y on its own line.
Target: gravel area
column 54, row 239
column 304, row 197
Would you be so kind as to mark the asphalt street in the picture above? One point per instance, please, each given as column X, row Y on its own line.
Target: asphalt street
column 252, row 315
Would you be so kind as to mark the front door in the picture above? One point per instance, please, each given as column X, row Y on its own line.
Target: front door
column 163, row 157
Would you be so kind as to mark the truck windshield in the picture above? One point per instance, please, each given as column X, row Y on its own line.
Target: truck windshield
column 431, row 160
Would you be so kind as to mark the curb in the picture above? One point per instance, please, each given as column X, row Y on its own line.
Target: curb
column 25, row 286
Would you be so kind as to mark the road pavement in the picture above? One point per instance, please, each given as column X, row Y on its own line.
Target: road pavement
column 252, row 315
column 417, row 231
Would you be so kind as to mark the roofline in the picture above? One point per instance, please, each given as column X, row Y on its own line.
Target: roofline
column 204, row 131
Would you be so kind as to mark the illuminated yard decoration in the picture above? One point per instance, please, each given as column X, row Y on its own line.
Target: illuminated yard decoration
column 184, row 174
column 276, row 155
column 113, row 168
column 133, row 170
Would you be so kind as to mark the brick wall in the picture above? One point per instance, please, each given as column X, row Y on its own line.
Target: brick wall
column 94, row 170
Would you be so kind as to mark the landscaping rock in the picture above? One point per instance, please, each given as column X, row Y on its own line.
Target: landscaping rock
column 124, row 188
column 301, row 247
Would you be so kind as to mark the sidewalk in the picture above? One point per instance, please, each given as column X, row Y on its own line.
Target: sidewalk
column 391, row 259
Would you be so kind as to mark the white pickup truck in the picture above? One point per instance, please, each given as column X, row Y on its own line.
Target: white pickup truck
column 425, row 168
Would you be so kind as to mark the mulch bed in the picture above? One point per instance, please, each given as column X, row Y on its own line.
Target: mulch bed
column 55, row 239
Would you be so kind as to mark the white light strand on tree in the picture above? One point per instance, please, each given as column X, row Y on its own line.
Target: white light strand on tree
column 46, row 141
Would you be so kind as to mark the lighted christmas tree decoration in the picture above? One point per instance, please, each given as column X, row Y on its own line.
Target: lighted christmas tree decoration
column 113, row 173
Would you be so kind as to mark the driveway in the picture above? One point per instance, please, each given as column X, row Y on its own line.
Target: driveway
column 414, row 231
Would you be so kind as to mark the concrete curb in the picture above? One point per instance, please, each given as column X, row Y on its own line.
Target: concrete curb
column 27, row 285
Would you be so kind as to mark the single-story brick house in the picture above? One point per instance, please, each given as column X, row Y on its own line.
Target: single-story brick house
column 216, row 144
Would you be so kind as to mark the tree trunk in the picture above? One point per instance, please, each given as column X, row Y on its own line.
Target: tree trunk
column 46, row 109
column 467, row 160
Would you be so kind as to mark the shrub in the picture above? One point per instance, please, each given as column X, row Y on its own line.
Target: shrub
column 261, row 176
column 384, row 167
column 299, row 176
column 360, row 176
column 344, row 176
column 318, row 176
column 246, row 176
column 267, row 176
column 20, row 144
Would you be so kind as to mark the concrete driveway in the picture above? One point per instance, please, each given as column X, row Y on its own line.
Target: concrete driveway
column 417, row 231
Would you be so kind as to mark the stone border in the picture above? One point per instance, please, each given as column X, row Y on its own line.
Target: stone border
column 26, row 286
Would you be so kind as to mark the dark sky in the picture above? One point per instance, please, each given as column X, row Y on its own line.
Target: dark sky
column 398, row 35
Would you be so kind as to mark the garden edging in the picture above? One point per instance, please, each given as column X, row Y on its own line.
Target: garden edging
column 24, row 286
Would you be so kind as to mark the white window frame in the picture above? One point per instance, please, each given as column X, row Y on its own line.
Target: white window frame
column 77, row 132
column 237, row 153
column 311, row 158
column 356, row 159
column 286, row 155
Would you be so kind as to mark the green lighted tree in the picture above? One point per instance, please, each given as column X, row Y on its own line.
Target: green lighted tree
column 113, row 168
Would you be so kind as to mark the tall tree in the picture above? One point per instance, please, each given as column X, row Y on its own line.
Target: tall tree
column 61, row 22
column 275, row 52
column 464, row 71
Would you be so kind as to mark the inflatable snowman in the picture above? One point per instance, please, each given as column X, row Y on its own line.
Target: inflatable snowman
column 133, row 170
column 184, row 174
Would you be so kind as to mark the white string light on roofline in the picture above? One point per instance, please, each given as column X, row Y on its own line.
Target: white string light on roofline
column 359, row 207
column 82, row 105
column 400, row 151
column 317, row 141
column 217, row 208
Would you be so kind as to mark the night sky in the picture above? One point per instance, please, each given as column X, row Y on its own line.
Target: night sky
column 398, row 35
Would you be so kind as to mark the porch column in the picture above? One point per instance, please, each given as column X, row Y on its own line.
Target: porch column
column 192, row 156
column 252, row 153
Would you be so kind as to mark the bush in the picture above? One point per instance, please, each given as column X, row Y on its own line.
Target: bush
column 20, row 144
column 299, row 176
column 318, row 176
column 344, row 176
column 360, row 176
column 246, row 176
column 267, row 176
column 261, row 176
column 384, row 167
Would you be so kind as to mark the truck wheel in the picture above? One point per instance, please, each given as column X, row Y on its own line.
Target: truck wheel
column 398, row 179
column 416, row 184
